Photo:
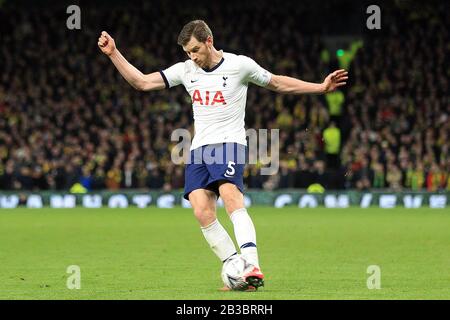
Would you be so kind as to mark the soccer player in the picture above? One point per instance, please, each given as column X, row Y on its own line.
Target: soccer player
column 217, row 82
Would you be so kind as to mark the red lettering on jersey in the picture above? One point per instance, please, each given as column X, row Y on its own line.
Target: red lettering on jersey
column 207, row 97
column 196, row 97
column 218, row 98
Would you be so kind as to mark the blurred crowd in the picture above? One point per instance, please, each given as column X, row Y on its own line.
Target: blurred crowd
column 68, row 117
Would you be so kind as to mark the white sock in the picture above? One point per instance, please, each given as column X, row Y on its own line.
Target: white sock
column 219, row 240
column 245, row 233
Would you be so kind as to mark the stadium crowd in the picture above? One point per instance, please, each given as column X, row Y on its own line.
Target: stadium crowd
column 68, row 117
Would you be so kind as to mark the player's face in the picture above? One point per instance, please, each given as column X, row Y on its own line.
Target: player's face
column 199, row 52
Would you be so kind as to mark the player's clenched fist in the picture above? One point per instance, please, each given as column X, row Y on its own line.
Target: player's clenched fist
column 106, row 43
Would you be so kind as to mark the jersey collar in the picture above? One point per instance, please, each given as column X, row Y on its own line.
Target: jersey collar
column 215, row 67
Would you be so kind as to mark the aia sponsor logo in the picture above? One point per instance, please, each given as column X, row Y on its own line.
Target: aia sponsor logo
column 208, row 98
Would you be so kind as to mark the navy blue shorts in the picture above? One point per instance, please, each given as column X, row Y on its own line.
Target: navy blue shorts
column 213, row 163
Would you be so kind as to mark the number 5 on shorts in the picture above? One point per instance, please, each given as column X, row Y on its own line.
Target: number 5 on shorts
column 230, row 171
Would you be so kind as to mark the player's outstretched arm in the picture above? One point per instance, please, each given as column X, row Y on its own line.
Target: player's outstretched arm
column 135, row 78
column 283, row 84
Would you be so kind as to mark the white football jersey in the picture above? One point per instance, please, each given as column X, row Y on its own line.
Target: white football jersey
column 218, row 96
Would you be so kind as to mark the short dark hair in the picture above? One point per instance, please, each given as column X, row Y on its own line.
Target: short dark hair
column 196, row 28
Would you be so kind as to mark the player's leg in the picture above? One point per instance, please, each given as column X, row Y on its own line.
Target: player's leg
column 244, row 230
column 204, row 205
column 203, row 201
column 227, row 177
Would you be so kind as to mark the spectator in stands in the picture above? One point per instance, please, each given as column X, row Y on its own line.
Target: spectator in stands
column 332, row 141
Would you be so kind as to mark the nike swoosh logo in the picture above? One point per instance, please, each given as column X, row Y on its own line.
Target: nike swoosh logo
column 192, row 81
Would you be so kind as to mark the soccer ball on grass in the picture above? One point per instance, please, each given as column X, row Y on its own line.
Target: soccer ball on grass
column 233, row 272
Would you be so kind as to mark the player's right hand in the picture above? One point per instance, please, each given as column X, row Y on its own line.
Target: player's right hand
column 106, row 43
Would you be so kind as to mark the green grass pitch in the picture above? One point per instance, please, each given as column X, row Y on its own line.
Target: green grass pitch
column 161, row 254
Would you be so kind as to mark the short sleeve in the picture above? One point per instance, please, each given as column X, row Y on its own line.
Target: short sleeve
column 173, row 76
column 253, row 72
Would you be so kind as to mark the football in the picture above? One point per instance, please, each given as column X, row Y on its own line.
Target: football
column 233, row 271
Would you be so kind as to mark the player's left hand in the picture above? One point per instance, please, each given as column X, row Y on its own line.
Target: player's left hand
column 335, row 80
